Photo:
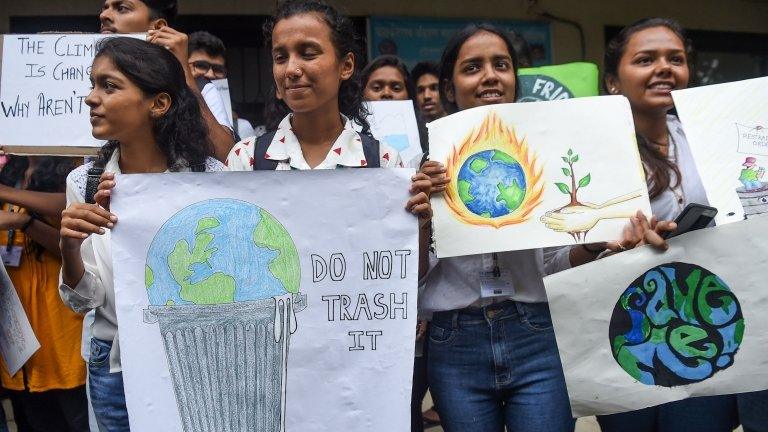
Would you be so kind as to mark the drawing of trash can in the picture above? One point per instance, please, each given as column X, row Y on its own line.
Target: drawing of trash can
column 755, row 202
column 222, row 278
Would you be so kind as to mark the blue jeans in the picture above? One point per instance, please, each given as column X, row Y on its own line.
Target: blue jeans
column 107, row 393
column 498, row 366
column 701, row 414
column 753, row 411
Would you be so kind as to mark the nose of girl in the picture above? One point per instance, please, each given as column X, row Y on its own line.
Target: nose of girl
column 91, row 99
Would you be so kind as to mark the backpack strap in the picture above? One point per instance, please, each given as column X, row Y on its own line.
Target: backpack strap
column 371, row 151
column 260, row 163
column 92, row 182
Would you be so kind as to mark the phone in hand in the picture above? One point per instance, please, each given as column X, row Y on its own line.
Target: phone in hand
column 693, row 217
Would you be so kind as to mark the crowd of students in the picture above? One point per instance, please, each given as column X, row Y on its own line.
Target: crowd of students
column 490, row 363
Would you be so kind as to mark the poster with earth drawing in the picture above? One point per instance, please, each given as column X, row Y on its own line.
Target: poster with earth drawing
column 644, row 327
column 247, row 307
column 727, row 130
column 525, row 176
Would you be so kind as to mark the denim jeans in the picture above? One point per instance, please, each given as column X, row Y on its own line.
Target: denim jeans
column 497, row 367
column 753, row 411
column 701, row 414
column 107, row 393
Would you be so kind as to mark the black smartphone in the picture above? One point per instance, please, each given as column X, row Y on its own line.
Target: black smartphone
column 693, row 217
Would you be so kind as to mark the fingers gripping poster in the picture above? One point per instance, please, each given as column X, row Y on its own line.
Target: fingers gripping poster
column 525, row 176
column 247, row 307
column 646, row 327
column 727, row 128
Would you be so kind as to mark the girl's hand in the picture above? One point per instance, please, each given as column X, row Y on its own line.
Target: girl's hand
column 437, row 175
column 419, row 202
column 80, row 220
column 642, row 231
column 12, row 220
column 103, row 193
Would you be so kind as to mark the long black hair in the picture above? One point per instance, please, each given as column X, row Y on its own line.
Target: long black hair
column 395, row 62
column 49, row 175
column 659, row 168
column 181, row 133
column 451, row 54
column 345, row 40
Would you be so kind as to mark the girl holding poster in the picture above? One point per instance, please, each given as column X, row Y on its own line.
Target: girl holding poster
column 141, row 103
column 645, row 62
column 493, row 358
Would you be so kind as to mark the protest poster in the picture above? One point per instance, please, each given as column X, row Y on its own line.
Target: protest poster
column 17, row 339
column 222, row 85
column 247, row 308
column 394, row 123
column 646, row 327
column 726, row 126
column 44, row 81
column 557, row 82
column 526, row 176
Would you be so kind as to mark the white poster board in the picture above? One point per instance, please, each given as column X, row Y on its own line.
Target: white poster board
column 394, row 122
column 233, row 274
column 17, row 340
column 727, row 129
column 644, row 327
column 526, row 176
column 222, row 85
column 44, row 81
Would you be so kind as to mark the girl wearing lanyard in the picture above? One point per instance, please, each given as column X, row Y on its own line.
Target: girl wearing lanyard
column 140, row 102
column 493, row 360
column 53, row 379
column 645, row 62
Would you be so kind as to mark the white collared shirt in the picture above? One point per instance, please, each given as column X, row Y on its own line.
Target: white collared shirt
column 96, row 289
column 285, row 149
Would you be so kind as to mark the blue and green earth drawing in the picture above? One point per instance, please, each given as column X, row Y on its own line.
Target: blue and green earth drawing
column 491, row 184
column 676, row 324
column 221, row 251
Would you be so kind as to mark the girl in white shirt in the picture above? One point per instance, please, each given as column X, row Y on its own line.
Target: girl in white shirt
column 645, row 62
column 141, row 104
column 493, row 359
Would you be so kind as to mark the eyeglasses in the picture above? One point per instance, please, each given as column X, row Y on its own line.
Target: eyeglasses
column 202, row 67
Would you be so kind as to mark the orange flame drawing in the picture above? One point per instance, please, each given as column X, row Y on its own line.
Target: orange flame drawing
column 493, row 134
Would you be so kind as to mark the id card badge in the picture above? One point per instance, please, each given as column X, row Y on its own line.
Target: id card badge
column 496, row 285
column 11, row 256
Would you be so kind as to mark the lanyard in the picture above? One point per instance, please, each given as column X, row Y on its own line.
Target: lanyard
column 11, row 232
column 492, row 264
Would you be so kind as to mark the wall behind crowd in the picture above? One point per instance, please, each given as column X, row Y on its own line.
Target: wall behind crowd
column 238, row 23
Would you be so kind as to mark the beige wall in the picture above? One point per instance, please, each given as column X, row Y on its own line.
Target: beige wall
column 593, row 15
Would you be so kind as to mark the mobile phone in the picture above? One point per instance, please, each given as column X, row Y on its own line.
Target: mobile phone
column 693, row 217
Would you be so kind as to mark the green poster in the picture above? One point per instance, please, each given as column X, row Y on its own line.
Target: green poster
column 547, row 83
